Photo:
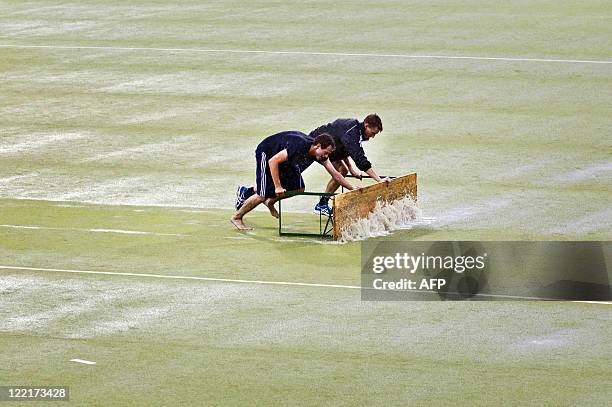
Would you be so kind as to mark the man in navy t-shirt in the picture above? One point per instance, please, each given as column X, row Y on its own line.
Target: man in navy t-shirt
column 281, row 159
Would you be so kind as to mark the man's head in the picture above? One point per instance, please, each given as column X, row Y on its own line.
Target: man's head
column 372, row 126
column 322, row 146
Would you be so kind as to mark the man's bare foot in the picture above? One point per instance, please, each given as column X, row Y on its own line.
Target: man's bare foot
column 272, row 209
column 240, row 224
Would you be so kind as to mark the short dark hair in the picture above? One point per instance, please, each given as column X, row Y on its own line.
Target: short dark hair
column 373, row 120
column 325, row 140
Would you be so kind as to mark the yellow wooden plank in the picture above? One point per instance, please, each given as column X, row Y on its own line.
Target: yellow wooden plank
column 357, row 204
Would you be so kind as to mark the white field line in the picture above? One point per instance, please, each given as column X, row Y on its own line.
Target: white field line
column 339, row 54
column 225, row 280
column 263, row 282
column 589, row 173
column 39, row 141
column 121, row 231
column 88, row 202
column 8, row 180
column 83, row 361
column 84, row 203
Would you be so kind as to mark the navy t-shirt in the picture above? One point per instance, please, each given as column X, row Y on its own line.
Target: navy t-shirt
column 348, row 135
column 297, row 145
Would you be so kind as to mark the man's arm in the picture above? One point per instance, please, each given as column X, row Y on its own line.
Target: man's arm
column 336, row 175
column 356, row 152
column 351, row 140
column 374, row 175
column 348, row 165
column 274, row 163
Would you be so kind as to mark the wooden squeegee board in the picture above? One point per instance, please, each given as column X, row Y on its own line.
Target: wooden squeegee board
column 357, row 204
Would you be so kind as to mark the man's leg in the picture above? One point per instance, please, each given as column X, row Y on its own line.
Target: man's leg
column 242, row 194
column 333, row 185
column 270, row 204
column 263, row 186
column 247, row 207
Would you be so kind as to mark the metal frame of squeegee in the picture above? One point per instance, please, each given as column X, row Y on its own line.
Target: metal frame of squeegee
column 324, row 230
column 366, row 176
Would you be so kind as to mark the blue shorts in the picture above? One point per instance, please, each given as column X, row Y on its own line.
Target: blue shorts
column 290, row 176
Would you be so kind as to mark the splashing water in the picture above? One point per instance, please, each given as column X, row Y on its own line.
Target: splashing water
column 386, row 217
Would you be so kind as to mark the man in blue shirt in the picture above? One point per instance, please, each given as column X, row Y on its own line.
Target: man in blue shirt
column 281, row 159
column 348, row 135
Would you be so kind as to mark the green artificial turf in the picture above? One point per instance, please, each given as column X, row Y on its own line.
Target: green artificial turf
column 150, row 131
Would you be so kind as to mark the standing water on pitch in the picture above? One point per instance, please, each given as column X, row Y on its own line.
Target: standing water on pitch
column 386, row 217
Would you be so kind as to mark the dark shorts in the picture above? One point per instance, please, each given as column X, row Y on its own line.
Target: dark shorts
column 290, row 176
